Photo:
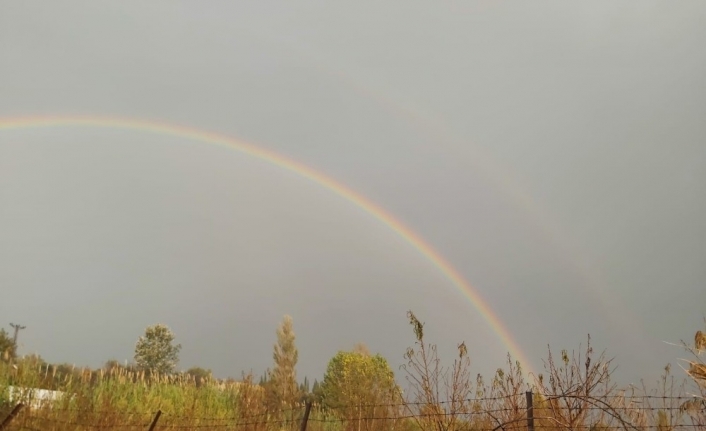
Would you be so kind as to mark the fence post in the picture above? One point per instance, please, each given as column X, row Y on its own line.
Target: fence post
column 11, row 416
column 530, row 411
column 154, row 421
column 306, row 416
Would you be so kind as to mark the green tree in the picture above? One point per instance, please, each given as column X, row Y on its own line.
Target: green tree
column 282, row 386
column 8, row 349
column 265, row 378
column 358, row 385
column 305, row 387
column 200, row 375
column 155, row 351
column 316, row 391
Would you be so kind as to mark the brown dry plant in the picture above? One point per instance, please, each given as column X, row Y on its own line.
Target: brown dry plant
column 439, row 395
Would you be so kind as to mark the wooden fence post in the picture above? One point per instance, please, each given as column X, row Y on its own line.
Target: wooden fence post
column 154, row 421
column 530, row 411
column 305, row 420
column 11, row 416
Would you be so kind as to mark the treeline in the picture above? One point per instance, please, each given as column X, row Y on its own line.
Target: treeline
column 359, row 391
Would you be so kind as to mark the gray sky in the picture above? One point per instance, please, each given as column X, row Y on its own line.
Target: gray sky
column 553, row 152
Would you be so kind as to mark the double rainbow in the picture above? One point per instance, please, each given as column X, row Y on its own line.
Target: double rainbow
column 322, row 180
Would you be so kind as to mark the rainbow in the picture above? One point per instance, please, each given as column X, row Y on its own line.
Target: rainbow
column 483, row 163
column 302, row 170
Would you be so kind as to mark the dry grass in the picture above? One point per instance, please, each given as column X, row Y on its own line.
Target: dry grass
column 575, row 392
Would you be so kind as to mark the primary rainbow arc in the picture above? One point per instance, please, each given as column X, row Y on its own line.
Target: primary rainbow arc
column 286, row 163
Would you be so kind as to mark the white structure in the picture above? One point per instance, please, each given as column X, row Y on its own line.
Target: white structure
column 33, row 397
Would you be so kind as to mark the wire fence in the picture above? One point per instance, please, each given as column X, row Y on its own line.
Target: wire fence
column 507, row 413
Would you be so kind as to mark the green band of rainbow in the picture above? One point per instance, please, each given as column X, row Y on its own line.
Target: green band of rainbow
column 323, row 180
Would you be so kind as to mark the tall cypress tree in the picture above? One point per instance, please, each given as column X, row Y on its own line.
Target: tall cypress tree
column 284, row 387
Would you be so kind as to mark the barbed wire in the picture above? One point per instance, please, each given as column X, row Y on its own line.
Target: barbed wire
column 538, row 425
column 630, row 408
column 301, row 405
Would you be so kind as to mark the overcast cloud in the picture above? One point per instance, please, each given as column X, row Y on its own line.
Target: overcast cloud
column 553, row 152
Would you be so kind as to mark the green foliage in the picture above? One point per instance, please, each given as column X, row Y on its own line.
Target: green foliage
column 358, row 393
column 316, row 393
column 356, row 378
column 200, row 375
column 155, row 351
column 280, row 384
column 122, row 397
column 360, row 385
column 8, row 349
column 32, row 360
column 283, row 377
